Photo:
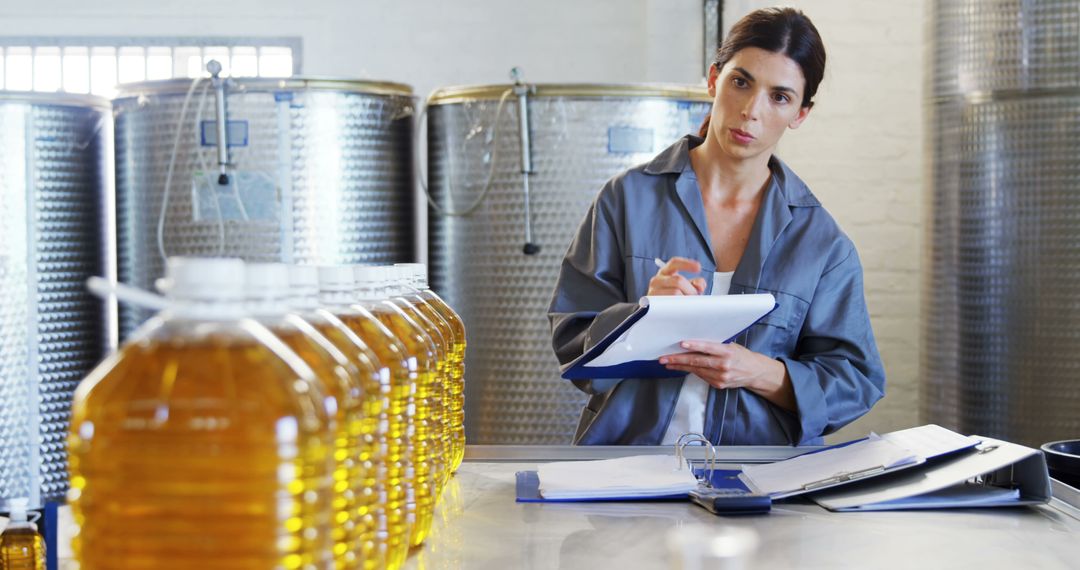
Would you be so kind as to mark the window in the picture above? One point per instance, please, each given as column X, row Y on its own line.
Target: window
column 98, row 65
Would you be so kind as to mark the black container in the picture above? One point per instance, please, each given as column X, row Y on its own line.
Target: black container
column 1063, row 459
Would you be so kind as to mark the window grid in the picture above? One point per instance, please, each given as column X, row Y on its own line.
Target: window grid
column 100, row 69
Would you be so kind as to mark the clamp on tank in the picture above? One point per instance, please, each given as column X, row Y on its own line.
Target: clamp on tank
column 221, row 114
column 522, row 90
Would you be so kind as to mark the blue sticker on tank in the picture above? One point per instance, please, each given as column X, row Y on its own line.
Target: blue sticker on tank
column 625, row 140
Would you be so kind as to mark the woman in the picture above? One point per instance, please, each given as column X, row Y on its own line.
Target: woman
column 735, row 219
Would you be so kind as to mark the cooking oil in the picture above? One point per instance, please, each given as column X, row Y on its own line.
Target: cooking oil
column 355, row 506
column 336, row 294
column 408, row 299
column 376, row 383
column 21, row 546
column 457, row 385
column 203, row 443
column 422, row 349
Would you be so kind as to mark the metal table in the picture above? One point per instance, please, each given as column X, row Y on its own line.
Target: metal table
column 478, row 525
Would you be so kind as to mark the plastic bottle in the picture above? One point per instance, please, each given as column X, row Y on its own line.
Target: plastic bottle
column 203, row 443
column 374, row 420
column 457, row 386
column 21, row 546
column 336, row 296
column 354, row 504
column 400, row 291
column 422, row 351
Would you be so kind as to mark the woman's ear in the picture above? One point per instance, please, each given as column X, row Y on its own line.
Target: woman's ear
column 798, row 120
column 714, row 72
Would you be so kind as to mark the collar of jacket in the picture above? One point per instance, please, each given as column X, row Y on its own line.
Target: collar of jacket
column 785, row 191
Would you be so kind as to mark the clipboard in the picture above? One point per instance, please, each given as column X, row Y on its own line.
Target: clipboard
column 657, row 327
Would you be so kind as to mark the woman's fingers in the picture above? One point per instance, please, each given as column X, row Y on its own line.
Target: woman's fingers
column 676, row 264
column 699, row 284
column 671, row 285
column 715, row 348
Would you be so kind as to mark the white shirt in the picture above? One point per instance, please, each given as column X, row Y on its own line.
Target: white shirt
column 689, row 416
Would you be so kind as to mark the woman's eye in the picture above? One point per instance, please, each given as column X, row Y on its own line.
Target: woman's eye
column 780, row 98
column 739, row 82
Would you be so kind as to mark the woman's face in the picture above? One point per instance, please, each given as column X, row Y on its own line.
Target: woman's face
column 756, row 96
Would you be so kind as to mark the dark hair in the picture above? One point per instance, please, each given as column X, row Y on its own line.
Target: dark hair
column 785, row 31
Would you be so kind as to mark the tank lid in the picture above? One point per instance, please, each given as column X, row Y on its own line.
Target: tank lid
column 259, row 84
column 65, row 99
column 465, row 93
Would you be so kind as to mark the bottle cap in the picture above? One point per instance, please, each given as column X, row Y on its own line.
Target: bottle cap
column 304, row 286
column 206, row 279
column 419, row 274
column 267, row 289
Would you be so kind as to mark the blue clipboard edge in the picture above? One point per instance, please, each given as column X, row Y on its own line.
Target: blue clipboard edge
column 578, row 369
column 527, row 489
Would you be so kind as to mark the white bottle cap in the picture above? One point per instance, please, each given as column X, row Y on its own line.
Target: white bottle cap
column 206, row 279
column 370, row 282
column 336, row 285
column 304, row 286
column 268, row 290
column 18, row 509
column 336, row 278
column 419, row 274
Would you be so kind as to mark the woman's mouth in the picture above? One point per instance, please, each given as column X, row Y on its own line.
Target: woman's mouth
column 741, row 136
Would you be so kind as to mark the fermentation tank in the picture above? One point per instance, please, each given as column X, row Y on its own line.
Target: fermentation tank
column 578, row 136
column 1001, row 349
column 319, row 172
column 55, row 199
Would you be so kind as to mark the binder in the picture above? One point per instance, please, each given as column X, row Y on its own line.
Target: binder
column 854, row 461
column 657, row 327
column 527, row 489
column 995, row 473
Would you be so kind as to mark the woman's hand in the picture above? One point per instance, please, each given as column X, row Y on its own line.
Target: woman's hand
column 667, row 281
column 730, row 365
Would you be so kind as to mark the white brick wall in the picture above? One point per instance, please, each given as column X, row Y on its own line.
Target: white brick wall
column 861, row 152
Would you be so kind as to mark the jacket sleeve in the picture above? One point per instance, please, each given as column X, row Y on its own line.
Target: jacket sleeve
column 836, row 373
column 589, row 299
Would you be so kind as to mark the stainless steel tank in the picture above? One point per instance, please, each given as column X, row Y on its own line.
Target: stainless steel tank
column 580, row 136
column 321, row 173
column 1001, row 350
column 55, row 203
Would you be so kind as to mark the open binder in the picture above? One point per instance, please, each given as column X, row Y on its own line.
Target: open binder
column 657, row 327
column 993, row 474
column 919, row 468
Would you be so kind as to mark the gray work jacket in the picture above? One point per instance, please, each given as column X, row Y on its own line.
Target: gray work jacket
column 820, row 331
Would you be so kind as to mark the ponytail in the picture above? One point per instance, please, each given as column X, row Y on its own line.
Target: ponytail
column 704, row 130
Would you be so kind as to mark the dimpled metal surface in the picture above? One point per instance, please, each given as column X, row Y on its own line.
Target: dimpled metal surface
column 1001, row 302
column 330, row 166
column 53, row 235
column 514, row 394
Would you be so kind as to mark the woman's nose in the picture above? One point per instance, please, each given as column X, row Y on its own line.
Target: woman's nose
column 750, row 109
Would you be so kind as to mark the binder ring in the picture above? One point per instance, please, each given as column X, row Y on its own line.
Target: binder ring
column 710, row 456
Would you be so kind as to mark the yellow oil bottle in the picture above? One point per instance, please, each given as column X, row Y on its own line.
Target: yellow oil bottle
column 371, row 297
column 204, row 438
column 373, row 420
column 457, row 386
column 21, row 546
column 336, row 296
column 399, row 291
column 354, row 502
